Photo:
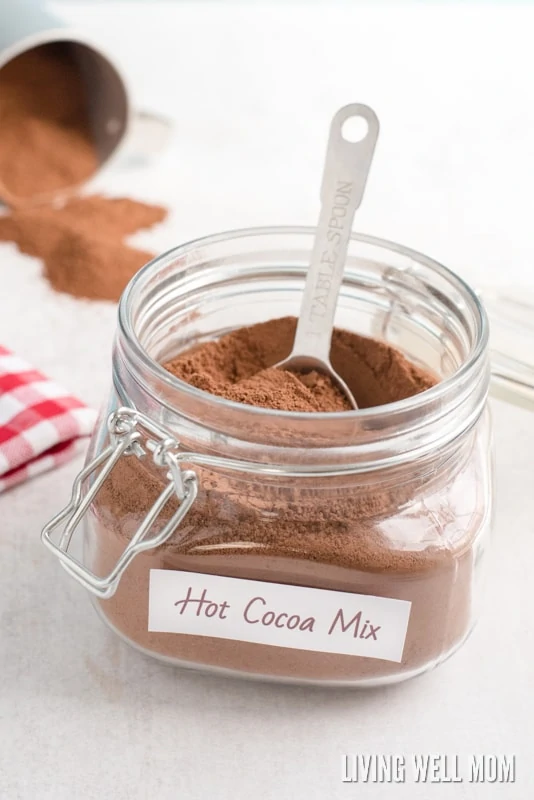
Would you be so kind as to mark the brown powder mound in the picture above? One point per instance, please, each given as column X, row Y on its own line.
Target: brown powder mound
column 45, row 137
column 113, row 217
column 237, row 367
column 90, row 260
column 81, row 242
column 280, row 389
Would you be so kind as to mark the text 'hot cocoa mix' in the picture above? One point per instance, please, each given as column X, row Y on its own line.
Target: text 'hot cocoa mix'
column 298, row 618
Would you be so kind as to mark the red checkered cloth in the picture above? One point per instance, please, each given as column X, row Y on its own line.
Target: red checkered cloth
column 41, row 425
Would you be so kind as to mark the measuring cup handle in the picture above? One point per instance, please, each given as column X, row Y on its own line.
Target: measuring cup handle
column 148, row 135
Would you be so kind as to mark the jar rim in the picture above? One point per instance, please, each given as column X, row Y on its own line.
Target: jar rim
column 409, row 404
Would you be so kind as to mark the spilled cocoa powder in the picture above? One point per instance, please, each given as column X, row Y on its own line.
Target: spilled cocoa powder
column 81, row 242
column 408, row 532
column 46, row 147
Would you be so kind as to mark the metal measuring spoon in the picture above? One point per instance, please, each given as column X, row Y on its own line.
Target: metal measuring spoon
column 346, row 168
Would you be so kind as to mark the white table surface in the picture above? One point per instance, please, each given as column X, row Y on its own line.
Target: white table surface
column 251, row 90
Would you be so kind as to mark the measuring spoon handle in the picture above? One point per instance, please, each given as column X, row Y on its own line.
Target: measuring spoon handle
column 345, row 174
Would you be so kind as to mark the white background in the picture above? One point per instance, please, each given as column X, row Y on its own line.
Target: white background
column 251, row 89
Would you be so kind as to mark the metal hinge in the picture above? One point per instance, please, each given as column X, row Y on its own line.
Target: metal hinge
column 130, row 433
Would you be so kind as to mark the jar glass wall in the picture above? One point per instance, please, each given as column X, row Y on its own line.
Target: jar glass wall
column 392, row 502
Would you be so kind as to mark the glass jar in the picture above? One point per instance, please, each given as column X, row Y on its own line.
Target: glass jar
column 334, row 548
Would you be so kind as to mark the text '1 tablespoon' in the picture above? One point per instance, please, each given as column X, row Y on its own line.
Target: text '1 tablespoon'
column 351, row 144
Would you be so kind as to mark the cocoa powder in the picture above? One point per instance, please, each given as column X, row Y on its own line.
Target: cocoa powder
column 45, row 137
column 405, row 533
column 239, row 367
column 46, row 146
column 81, row 242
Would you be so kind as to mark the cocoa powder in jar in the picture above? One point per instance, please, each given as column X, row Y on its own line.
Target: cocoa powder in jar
column 409, row 533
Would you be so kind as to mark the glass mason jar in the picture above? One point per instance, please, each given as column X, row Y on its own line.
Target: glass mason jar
column 328, row 548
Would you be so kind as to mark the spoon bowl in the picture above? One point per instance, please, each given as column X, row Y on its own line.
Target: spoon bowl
column 303, row 364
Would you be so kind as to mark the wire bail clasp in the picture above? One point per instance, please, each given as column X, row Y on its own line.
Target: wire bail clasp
column 130, row 433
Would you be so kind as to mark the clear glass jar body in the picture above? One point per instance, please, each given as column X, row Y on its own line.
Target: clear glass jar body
column 393, row 502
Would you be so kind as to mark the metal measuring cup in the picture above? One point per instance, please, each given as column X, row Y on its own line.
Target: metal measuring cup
column 117, row 128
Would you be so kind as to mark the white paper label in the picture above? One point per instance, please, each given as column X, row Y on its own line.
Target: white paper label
column 277, row 614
